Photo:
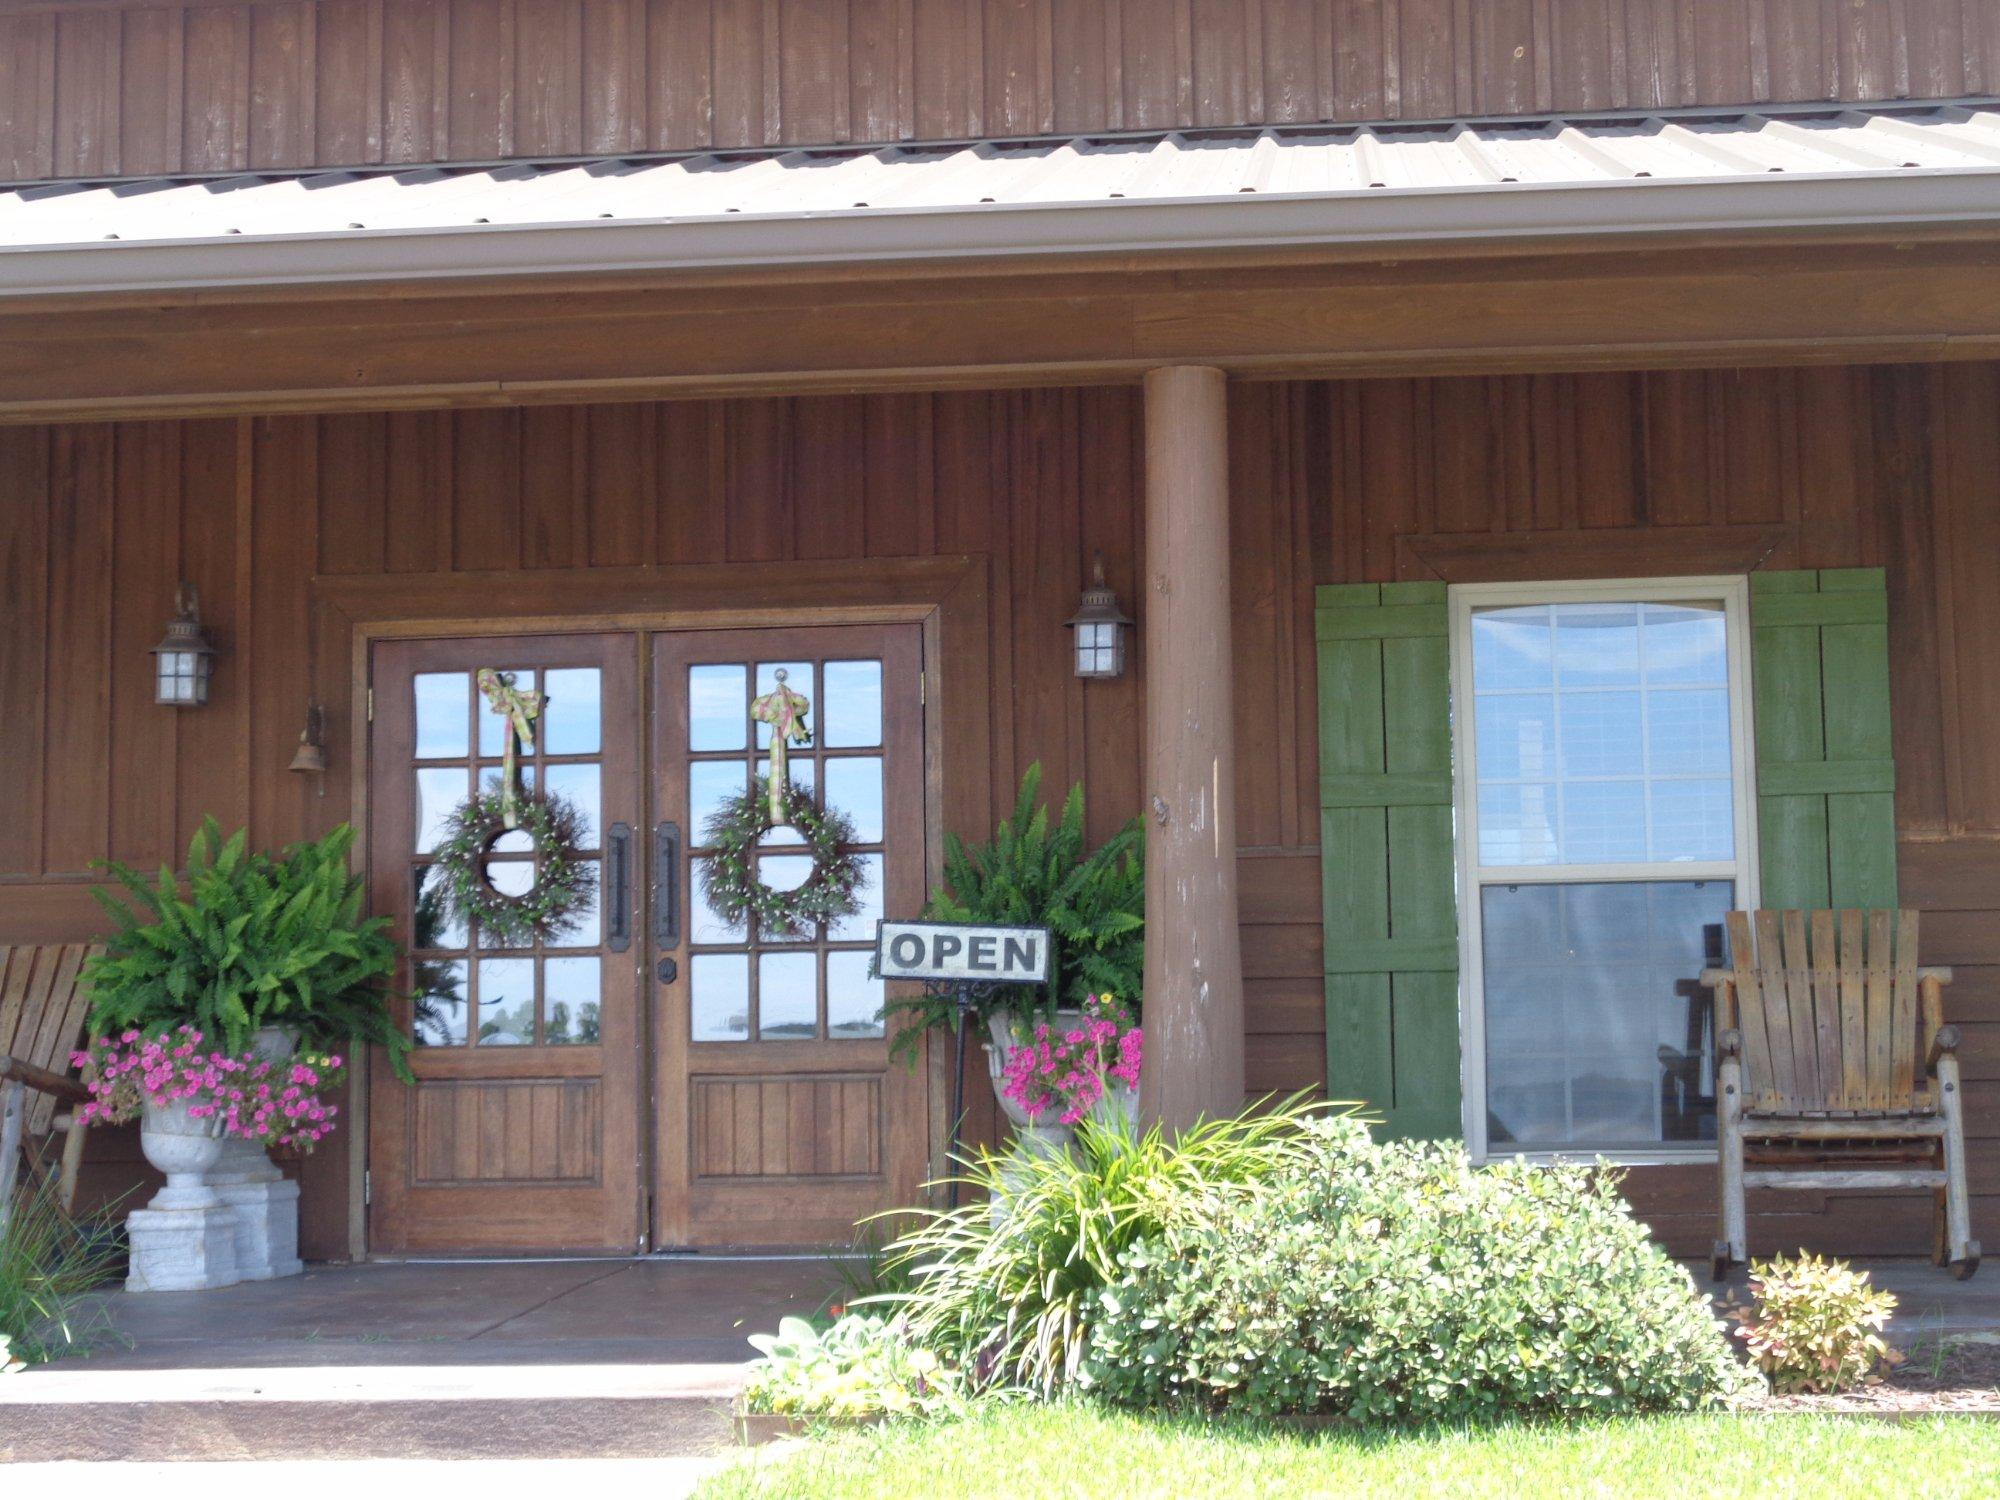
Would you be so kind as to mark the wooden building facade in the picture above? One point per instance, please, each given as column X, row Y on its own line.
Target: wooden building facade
column 641, row 473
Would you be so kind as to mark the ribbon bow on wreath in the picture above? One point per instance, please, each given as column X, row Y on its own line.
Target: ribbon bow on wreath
column 785, row 711
column 518, row 710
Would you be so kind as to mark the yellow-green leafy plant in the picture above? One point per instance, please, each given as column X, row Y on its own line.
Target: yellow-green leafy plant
column 1815, row 1326
column 861, row 1366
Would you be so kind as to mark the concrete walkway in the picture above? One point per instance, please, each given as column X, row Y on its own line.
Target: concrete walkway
column 582, row 1360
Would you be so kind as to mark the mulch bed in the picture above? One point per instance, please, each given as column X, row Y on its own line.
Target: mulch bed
column 1947, row 1375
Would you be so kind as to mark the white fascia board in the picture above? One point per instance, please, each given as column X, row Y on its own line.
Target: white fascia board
column 1388, row 217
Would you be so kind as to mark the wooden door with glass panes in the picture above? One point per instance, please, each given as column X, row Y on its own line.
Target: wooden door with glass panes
column 780, row 1119
column 522, row 1132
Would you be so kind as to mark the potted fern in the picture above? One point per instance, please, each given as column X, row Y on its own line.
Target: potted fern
column 221, row 1012
column 1040, row 873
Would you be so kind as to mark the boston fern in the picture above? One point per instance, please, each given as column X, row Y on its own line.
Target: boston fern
column 255, row 940
column 1033, row 874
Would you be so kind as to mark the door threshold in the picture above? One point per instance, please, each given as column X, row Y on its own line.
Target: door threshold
column 702, row 1256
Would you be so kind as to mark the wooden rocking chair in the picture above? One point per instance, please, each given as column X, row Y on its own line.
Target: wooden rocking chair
column 1836, row 1069
column 41, row 1021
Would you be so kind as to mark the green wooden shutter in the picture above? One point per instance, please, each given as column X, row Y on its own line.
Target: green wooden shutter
column 1390, row 916
column 1826, row 779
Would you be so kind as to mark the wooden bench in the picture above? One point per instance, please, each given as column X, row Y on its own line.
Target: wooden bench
column 41, row 1024
column 1836, row 1070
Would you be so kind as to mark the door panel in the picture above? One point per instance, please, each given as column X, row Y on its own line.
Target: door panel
column 522, row 1132
column 779, row 1118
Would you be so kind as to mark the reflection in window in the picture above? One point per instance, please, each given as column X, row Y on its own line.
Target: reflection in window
column 854, row 999
column 440, row 1003
column 571, row 1000
column 1601, row 744
column 507, row 1002
column 719, row 987
column 787, row 995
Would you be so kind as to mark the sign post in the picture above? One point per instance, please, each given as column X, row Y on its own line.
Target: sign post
column 964, row 963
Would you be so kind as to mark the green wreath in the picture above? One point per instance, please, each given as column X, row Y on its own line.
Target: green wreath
column 561, row 894
column 729, row 874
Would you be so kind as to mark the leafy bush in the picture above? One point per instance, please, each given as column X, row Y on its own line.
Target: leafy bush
column 1005, row 1286
column 1815, row 1325
column 1032, row 875
column 861, row 1366
column 257, row 941
column 49, row 1266
column 1397, row 1282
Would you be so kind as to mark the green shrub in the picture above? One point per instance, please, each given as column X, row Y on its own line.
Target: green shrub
column 256, row 941
column 50, row 1264
column 1005, row 1285
column 1031, row 875
column 861, row 1366
column 1815, row 1325
column 1397, row 1282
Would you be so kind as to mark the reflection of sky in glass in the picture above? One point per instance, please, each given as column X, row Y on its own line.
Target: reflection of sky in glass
column 506, row 1002
column 570, row 1001
column 439, row 790
column 1602, row 733
column 852, row 712
column 719, row 991
column 854, row 786
column 718, row 708
column 853, row 999
column 582, row 786
column 787, row 995
column 441, row 714
column 869, row 892
column 570, row 715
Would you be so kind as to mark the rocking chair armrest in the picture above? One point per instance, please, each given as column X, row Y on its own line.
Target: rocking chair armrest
column 1943, row 1044
column 1716, row 978
column 43, row 1081
column 1941, row 975
column 1730, row 1044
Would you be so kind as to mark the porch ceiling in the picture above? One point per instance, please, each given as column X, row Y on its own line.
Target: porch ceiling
column 1507, row 181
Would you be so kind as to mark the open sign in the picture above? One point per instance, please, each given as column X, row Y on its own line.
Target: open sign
column 964, row 952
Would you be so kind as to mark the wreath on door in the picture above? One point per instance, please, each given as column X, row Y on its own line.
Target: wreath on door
column 729, row 877
column 735, row 835
column 560, row 894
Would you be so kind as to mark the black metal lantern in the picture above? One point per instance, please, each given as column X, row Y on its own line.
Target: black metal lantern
column 183, row 661
column 1100, row 627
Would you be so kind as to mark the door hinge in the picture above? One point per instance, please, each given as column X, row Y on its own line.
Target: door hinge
column 371, row 705
column 367, row 1188
column 923, row 689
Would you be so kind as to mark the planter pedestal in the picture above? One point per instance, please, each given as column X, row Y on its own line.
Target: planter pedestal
column 266, row 1203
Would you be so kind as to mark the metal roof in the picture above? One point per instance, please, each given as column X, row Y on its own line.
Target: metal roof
column 1292, row 185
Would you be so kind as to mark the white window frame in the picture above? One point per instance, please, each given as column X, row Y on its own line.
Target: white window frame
column 1733, row 592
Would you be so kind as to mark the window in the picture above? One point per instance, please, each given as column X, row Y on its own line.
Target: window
column 1605, row 819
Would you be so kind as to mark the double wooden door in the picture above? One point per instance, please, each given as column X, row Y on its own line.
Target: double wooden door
column 652, row 1076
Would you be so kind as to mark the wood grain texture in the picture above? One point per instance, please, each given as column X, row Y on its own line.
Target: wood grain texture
column 94, row 88
column 1328, row 482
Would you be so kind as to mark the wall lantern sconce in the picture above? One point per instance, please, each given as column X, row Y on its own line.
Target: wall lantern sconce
column 1100, row 627
column 310, row 758
column 183, row 660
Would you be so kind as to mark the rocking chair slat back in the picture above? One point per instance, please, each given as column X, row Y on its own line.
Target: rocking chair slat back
column 42, row 1007
column 1828, row 1007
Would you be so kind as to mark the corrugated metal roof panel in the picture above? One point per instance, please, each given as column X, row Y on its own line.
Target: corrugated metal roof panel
column 1452, row 158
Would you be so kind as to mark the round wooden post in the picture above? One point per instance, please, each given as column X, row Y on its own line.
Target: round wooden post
column 1194, row 968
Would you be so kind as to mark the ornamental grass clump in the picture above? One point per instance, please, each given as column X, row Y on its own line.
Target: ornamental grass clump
column 1006, row 1287
column 1815, row 1326
column 1397, row 1282
column 50, row 1266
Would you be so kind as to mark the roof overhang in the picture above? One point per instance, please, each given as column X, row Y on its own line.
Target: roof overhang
column 1497, row 214
column 1879, row 172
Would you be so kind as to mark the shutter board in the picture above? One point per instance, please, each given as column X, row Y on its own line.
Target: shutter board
column 1390, row 922
column 1826, row 806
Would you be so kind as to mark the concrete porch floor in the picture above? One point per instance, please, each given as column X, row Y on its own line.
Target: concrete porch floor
column 681, row 1310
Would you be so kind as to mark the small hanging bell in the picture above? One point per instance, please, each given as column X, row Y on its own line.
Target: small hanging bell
column 310, row 757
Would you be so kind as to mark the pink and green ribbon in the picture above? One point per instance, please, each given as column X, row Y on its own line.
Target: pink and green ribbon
column 518, row 709
column 785, row 711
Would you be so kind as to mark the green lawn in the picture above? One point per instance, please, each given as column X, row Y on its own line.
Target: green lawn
column 1044, row 1453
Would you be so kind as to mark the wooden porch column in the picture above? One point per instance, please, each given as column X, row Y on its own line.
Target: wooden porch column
column 1194, row 969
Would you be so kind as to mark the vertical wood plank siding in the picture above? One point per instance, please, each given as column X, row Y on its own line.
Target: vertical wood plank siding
column 112, row 90
column 1352, row 482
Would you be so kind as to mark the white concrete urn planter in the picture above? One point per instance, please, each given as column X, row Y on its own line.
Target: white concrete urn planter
column 1044, row 1134
column 226, row 1214
column 185, row 1239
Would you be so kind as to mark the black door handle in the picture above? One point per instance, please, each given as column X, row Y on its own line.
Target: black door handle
column 618, row 880
column 667, row 886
